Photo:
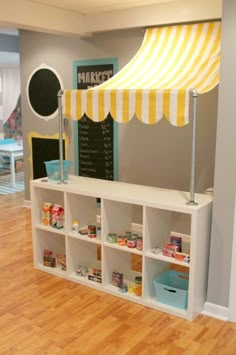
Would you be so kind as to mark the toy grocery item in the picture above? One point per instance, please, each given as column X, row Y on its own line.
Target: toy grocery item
column 75, row 226
column 47, row 214
column 138, row 286
column 58, row 216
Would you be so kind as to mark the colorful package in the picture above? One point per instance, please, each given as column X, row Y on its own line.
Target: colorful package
column 58, row 216
column 47, row 214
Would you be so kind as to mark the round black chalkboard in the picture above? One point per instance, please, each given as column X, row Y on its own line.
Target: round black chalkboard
column 43, row 88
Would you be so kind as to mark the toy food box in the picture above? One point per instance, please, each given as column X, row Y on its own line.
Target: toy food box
column 47, row 214
column 58, row 216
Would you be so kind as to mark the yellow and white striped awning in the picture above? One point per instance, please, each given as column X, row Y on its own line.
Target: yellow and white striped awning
column 157, row 82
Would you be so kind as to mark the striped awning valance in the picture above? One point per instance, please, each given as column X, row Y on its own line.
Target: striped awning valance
column 157, row 82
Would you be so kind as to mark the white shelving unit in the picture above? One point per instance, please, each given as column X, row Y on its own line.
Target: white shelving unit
column 157, row 212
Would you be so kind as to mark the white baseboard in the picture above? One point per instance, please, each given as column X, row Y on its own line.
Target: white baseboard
column 216, row 311
column 27, row 203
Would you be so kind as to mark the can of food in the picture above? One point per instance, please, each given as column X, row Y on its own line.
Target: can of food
column 131, row 242
column 92, row 231
column 122, row 240
column 139, row 243
column 112, row 238
column 138, row 285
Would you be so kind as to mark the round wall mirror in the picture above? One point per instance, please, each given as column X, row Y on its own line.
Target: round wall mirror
column 42, row 89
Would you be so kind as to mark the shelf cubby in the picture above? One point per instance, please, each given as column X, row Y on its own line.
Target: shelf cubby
column 118, row 217
column 47, row 240
column 160, row 224
column 128, row 264
column 81, row 208
column 42, row 196
column 82, row 252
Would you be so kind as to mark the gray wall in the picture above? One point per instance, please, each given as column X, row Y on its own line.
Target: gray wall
column 225, row 165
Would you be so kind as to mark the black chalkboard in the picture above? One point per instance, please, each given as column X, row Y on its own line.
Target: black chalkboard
column 95, row 139
column 96, row 148
column 42, row 92
column 44, row 149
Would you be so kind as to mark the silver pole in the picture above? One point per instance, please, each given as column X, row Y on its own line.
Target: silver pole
column 60, row 129
column 194, row 139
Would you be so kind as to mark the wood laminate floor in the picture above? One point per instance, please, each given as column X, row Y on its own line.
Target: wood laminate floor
column 43, row 314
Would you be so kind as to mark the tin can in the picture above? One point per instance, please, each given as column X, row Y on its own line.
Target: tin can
column 138, row 286
column 139, row 243
column 122, row 240
column 131, row 242
column 92, row 231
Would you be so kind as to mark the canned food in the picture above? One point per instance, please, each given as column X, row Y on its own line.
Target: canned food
column 138, row 285
column 122, row 240
column 92, row 231
column 131, row 242
column 139, row 243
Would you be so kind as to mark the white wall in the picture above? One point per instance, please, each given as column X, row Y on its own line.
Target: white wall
column 225, row 166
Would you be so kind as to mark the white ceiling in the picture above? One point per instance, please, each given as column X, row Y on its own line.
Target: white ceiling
column 84, row 18
column 88, row 7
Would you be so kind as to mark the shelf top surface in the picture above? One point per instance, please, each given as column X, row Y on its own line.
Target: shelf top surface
column 126, row 192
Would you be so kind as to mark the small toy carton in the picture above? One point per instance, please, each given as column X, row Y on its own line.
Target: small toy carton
column 47, row 214
column 57, row 216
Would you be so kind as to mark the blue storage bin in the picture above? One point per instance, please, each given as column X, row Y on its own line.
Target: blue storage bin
column 53, row 169
column 171, row 288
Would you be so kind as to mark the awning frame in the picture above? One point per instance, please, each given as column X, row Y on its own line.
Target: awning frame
column 194, row 141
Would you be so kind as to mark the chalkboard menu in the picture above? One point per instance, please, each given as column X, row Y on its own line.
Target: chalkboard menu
column 95, row 139
column 96, row 148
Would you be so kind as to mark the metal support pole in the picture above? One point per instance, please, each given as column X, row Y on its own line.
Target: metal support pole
column 60, row 129
column 194, row 138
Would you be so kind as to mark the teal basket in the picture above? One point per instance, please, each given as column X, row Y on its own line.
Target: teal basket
column 171, row 288
column 53, row 169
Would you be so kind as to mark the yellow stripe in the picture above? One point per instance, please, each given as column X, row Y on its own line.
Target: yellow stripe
column 125, row 99
column 101, row 107
column 67, row 94
column 113, row 103
column 78, row 105
column 166, row 104
column 138, row 104
column 181, row 108
column 152, row 107
column 89, row 107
